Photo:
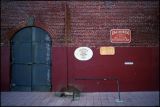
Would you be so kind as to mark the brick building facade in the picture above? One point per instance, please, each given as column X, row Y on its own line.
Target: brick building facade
column 89, row 24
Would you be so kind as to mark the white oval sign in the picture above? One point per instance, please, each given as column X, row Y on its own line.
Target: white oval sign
column 83, row 53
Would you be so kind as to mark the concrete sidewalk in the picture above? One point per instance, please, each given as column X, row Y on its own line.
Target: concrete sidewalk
column 85, row 99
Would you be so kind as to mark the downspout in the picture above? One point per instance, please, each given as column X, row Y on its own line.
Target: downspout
column 67, row 34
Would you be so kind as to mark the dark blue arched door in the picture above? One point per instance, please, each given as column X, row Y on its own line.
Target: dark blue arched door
column 31, row 60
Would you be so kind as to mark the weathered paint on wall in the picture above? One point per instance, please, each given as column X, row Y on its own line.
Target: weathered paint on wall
column 143, row 75
column 5, row 68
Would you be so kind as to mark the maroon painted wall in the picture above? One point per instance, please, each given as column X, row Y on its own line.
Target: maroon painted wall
column 143, row 75
column 59, row 71
column 5, row 68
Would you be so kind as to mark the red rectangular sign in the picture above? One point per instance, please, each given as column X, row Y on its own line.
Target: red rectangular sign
column 120, row 35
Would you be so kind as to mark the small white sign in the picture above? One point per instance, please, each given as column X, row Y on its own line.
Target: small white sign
column 128, row 63
column 83, row 53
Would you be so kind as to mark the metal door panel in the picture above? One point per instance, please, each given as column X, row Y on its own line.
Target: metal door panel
column 21, row 78
column 31, row 49
column 22, row 53
column 41, row 88
column 42, row 53
column 21, row 74
column 41, row 74
column 40, row 35
column 24, row 35
column 21, row 88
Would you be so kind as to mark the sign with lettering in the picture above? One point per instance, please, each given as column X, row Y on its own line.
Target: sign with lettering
column 120, row 35
column 83, row 53
column 107, row 50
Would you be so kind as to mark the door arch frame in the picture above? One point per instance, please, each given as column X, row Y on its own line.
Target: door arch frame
column 10, row 52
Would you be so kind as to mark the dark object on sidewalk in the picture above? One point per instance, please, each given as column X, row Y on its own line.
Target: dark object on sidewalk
column 70, row 91
column 62, row 95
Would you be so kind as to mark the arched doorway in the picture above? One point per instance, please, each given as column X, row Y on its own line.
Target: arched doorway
column 31, row 60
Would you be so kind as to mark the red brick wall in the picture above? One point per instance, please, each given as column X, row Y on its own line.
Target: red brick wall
column 91, row 21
